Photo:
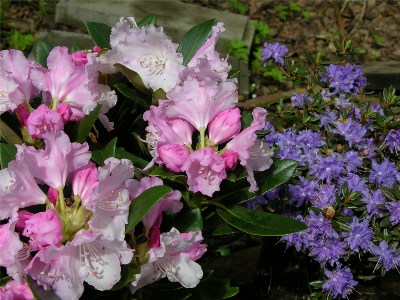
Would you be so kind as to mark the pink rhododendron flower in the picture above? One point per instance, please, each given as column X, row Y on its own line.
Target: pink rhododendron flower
column 14, row 64
column 59, row 158
column 10, row 244
column 65, row 112
column 224, row 126
column 230, row 159
column 43, row 120
column 205, row 170
column 84, row 181
column 198, row 102
column 110, row 199
column 147, row 51
column 171, row 202
column 173, row 156
column 23, row 216
column 43, row 229
column 14, row 290
column 79, row 57
column 7, row 87
column 52, row 195
column 253, row 154
column 96, row 49
column 88, row 257
column 22, row 114
column 175, row 259
column 18, row 188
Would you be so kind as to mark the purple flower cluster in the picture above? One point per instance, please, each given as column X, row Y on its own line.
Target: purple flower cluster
column 340, row 282
column 274, row 51
column 344, row 79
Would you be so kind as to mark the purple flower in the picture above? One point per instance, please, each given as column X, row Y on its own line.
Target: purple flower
column 309, row 139
column 340, row 282
column 274, row 51
column 328, row 168
column 387, row 257
column 354, row 183
column 348, row 78
column 359, row 236
column 352, row 161
column 302, row 193
column 324, row 196
column 392, row 140
column 298, row 100
column 373, row 200
column 257, row 201
column 394, row 210
column 327, row 119
column 352, row 132
column 384, row 173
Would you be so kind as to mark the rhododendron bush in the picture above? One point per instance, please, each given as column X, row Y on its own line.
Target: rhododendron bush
column 135, row 165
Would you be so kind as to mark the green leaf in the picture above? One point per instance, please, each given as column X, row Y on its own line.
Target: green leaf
column 151, row 19
column 86, row 124
column 279, row 173
column 260, row 223
column 134, row 78
column 213, row 289
column 224, row 229
column 159, row 94
column 42, row 51
column 136, row 160
column 144, row 203
column 194, row 39
column 187, row 220
column 7, row 154
column 127, row 276
column 100, row 33
column 38, row 292
column 75, row 47
column 133, row 95
column 109, row 149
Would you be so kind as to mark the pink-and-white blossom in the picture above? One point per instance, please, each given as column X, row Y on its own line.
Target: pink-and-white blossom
column 147, row 51
column 10, row 243
column 43, row 120
column 14, row 290
column 199, row 101
column 205, row 170
column 224, row 126
column 173, row 156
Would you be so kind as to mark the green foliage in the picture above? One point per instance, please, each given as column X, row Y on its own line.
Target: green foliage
column 100, row 33
column 151, row 19
column 7, row 154
column 238, row 6
column 42, row 51
column 262, row 34
column 238, row 49
column 379, row 40
column 20, row 41
column 85, row 125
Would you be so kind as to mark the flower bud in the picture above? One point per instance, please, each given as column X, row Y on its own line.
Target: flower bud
column 23, row 216
column 96, row 49
column 22, row 114
column 52, row 195
column 79, row 57
column 224, row 126
column 65, row 111
column 230, row 159
column 173, row 156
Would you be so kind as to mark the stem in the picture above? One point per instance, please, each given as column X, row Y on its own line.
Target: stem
column 211, row 202
column 54, row 104
column 61, row 202
column 202, row 138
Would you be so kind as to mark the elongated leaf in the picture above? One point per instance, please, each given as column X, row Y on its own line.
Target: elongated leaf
column 214, row 289
column 186, row 220
column 260, row 223
column 133, row 77
column 7, row 154
column 42, row 51
column 109, row 150
column 144, row 203
column 86, row 124
column 136, row 160
column 75, row 47
column 224, row 229
column 133, row 95
column 100, row 33
column 238, row 192
column 194, row 39
column 151, row 19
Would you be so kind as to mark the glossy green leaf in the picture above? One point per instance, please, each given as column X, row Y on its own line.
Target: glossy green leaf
column 109, row 149
column 75, row 47
column 194, row 39
column 151, row 19
column 42, row 51
column 136, row 160
column 100, row 33
column 279, row 173
column 144, row 203
column 7, row 154
column 187, row 220
column 133, row 95
column 260, row 223
column 86, row 124
column 38, row 292
column 213, row 289
column 224, row 229
column 133, row 77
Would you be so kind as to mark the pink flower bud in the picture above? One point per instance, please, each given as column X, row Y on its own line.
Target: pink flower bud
column 224, row 126
column 230, row 159
column 23, row 216
column 22, row 114
column 52, row 195
column 65, row 111
column 173, row 156
column 43, row 229
column 79, row 57
column 96, row 49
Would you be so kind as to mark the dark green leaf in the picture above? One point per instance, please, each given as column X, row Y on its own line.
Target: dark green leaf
column 194, row 39
column 75, row 47
column 86, row 124
column 159, row 94
column 137, row 161
column 213, row 289
column 260, row 223
column 144, row 203
column 151, row 19
column 224, row 229
column 109, row 149
column 7, row 154
column 186, row 220
column 100, row 33
column 224, row 250
column 133, row 95
column 127, row 276
column 42, row 51
column 280, row 172
column 134, row 78
column 38, row 292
